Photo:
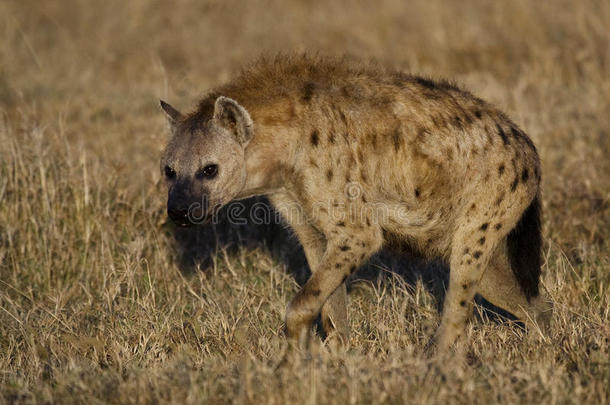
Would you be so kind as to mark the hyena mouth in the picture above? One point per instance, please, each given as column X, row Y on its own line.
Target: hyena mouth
column 187, row 215
column 180, row 218
column 189, row 218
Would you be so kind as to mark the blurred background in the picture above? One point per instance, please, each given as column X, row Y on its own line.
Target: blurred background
column 96, row 70
column 98, row 292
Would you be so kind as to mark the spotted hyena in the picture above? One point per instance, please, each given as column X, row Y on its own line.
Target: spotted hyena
column 369, row 156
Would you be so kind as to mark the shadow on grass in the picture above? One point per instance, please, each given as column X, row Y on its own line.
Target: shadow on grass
column 198, row 245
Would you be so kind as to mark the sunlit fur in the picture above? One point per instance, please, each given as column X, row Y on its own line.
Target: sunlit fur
column 369, row 156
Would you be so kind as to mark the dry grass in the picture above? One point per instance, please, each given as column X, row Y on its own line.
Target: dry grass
column 99, row 298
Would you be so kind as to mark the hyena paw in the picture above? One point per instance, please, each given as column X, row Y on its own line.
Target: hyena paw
column 337, row 341
column 444, row 340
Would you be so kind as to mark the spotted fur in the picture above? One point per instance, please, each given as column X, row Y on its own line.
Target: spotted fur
column 368, row 155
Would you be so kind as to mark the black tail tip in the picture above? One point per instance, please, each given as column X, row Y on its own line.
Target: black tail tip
column 524, row 244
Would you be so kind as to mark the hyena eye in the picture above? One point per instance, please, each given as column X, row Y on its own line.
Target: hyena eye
column 208, row 172
column 169, row 172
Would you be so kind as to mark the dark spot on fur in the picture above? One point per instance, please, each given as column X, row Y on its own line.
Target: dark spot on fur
column 352, row 269
column 316, row 293
column 482, row 241
column 462, row 303
column 337, row 265
column 477, row 254
column 352, row 160
column 340, row 223
column 465, row 286
column 308, row 90
column 484, row 226
column 331, row 138
column 396, row 140
column 373, row 137
column 513, row 185
column 315, row 137
column 524, row 175
column 421, row 132
column 502, row 134
column 498, row 226
column 329, row 174
column 427, row 83
column 344, row 248
column 466, row 251
column 417, row 192
column 478, row 114
column 344, row 278
column 437, row 121
column 500, row 199
column 343, row 117
column 457, row 122
column 501, row 169
column 473, row 206
column 449, row 153
column 368, row 221
column 468, row 261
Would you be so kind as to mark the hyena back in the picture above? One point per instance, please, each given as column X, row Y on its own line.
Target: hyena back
column 368, row 156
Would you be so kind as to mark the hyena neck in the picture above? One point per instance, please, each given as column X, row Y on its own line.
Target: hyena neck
column 266, row 157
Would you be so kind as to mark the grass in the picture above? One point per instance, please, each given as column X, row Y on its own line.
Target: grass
column 103, row 301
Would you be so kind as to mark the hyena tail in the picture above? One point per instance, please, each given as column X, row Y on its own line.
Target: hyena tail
column 524, row 244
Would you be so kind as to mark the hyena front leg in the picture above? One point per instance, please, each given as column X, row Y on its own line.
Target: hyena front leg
column 342, row 257
column 334, row 311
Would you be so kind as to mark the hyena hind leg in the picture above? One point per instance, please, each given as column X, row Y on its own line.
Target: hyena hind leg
column 474, row 244
column 499, row 286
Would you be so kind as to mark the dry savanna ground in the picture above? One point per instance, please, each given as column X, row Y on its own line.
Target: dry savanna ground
column 103, row 301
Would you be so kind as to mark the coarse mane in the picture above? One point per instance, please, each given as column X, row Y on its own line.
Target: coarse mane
column 270, row 79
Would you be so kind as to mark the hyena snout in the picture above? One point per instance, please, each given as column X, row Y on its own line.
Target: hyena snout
column 178, row 214
column 186, row 211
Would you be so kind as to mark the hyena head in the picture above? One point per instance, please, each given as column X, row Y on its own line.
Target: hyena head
column 203, row 163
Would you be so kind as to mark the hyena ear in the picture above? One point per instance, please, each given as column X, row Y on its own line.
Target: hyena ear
column 229, row 114
column 173, row 115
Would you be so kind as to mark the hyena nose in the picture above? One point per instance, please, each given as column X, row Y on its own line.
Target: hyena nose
column 180, row 215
